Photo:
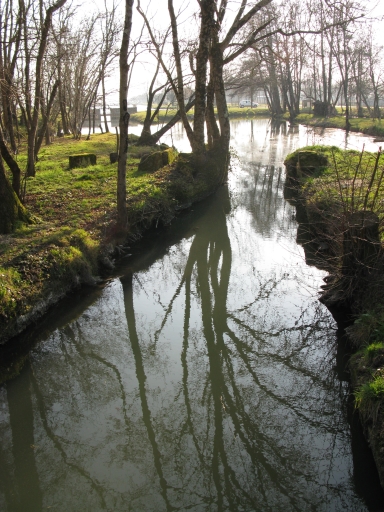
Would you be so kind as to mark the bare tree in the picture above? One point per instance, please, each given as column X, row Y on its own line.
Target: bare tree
column 211, row 53
column 34, row 57
column 10, row 43
column 368, row 74
column 110, row 30
column 30, row 26
column 82, row 72
column 124, row 118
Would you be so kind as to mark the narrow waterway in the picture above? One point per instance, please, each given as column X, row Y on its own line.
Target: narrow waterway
column 205, row 376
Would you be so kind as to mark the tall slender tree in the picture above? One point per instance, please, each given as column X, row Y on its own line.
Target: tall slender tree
column 124, row 119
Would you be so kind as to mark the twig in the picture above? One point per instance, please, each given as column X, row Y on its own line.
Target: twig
column 354, row 179
column 380, row 180
column 372, row 179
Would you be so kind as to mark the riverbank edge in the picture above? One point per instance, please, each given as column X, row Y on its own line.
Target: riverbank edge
column 183, row 183
column 367, row 126
column 334, row 297
column 164, row 116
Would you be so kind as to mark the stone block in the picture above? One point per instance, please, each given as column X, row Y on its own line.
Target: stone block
column 155, row 161
column 83, row 160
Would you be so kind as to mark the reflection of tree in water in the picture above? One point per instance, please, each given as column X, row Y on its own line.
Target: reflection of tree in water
column 21, row 486
column 260, row 188
column 262, row 194
column 240, row 466
column 232, row 425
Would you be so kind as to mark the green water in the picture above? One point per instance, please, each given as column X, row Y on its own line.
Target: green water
column 204, row 376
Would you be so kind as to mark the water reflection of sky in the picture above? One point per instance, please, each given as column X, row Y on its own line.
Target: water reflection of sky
column 267, row 141
column 202, row 378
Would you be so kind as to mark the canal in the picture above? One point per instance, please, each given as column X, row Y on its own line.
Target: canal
column 203, row 376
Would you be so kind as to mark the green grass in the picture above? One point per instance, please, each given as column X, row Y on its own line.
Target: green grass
column 372, row 350
column 348, row 183
column 10, row 281
column 369, row 332
column 74, row 212
column 370, row 395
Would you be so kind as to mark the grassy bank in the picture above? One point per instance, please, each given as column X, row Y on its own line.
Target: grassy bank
column 374, row 127
column 74, row 234
column 332, row 187
column 166, row 115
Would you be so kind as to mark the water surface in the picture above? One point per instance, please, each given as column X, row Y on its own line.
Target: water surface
column 203, row 377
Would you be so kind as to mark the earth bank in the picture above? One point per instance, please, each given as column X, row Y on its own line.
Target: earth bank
column 338, row 198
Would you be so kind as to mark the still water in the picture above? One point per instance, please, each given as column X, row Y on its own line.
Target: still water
column 204, row 376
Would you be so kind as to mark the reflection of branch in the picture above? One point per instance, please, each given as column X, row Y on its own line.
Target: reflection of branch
column 263, row 293
column 259, row 335
column 109, row 365
column 245, row 428
column 267, row 391
column 305, row 343
column 248, row 432
column 189, row 422
column 192, row 257
column 169, row 310
column 55, row 440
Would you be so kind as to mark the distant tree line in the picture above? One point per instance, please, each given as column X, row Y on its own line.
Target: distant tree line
column 323, row 52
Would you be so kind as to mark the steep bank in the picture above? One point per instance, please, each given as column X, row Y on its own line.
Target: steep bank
column 338, row 196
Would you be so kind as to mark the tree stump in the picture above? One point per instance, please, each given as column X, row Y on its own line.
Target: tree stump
column 361, row 244
column 83, row 160
column 113, row 157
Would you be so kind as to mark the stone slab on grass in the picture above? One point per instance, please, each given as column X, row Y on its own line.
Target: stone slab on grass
column 83, row 160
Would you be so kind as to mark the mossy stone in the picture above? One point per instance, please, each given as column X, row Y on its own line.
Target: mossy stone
column 155, row 161
column 304, row 163
column 83, row 160
column 169, row 156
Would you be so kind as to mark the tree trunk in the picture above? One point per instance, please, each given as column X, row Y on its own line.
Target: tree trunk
column 63, row 111
column 46, row 112
column 11, row 209
column 207, row 10
column 213, row 133
column 12, row 164
column 148, row 139
column 104, row 104
column 221, row 103
column 122, row 219
column 274, row 89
